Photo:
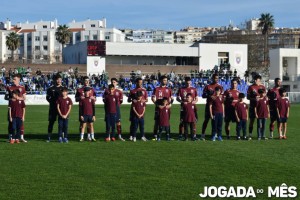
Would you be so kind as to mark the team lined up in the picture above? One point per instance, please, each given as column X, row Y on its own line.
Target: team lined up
column 228, row 106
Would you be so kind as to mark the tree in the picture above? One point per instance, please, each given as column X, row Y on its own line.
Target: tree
column 266, row 24
column 63, row 34
column 13, row 42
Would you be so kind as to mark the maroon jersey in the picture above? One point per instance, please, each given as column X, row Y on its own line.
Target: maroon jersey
column 230, row 96
column 283, row 105
column 164, row 116
column 139, row 107
column 217, row 104
column 160, row 92
column 190, row 110
column 87, row 105
column 64, row 104
column 250, row 93
column 111, row 103
column 273, row 101
column 182, row 92
column 10, row 89
column 212, row 87
column 241, row 110
column 118, row 94
column 262, row 107
column 132, row 94
column 80, row 93
column 16, row 107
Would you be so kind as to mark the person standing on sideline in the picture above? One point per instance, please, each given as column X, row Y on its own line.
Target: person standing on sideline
column 190, row 117
column 262, row 113
column 283, row 110
column 132, row 98
column 22, row 97
column 241, row 113
column 273, row 95
column 16, row 109
column 253, row 96
column 231, row 97
column 53, row 93
column 216, row 109
column 182, row 98
column 80, row 95
column 208, row 93
column 139, row 107
column 158, row 95
column 64, row 105
column 119, row 100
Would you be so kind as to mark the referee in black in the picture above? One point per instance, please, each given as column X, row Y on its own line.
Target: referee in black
column 53, row 93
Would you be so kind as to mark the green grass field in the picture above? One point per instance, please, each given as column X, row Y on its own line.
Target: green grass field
column 141, row 170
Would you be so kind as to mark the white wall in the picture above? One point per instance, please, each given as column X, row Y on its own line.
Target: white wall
column 208, row 54
column 150, row 49
column 95, row 65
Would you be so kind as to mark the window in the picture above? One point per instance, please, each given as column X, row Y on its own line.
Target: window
column 45, row 57
column 86, row 37
column 78, row 37
column 57, row 58
column 44, row 26
column 37, row 38
column 93, row 25
column 37, row 48
column 37, row 56
column 95, row 37
column 28, row 38
column 45, row 48
column 107, row 37
column 45, row 38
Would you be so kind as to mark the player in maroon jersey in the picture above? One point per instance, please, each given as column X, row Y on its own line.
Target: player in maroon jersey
column 273, row 95
column 111, row 104
column 21, row 97
column 241, row 113
column 190, row 117
column 64, row 105
column 16, row 110
column 231, row 97
column 208, row 93
column 80, row 95
column 262, row 113
column 164, row 118
column 119, row 100
column 157, row 97
column 252, row 95
column 216, row 108
column 131, row 99
column 138, row 107
column 87, row 114
column 283, row 111
column 182, row 98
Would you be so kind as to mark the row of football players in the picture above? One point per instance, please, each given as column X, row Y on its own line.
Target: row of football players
column 219, row 105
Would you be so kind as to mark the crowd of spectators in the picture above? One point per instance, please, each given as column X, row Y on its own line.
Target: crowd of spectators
column 37, row 82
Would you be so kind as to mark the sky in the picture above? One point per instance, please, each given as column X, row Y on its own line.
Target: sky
column 152, row 14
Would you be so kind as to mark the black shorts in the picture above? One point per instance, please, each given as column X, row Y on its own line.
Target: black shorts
column 252, row 113
column 282, row 120
column 88, row 119
column 53, row 113
column 274, row 115
column 230, row 114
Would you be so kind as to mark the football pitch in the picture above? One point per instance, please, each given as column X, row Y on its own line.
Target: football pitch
column 141, row 170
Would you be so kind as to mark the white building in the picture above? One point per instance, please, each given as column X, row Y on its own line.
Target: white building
column 203, row 55
column 152, row 36
column 142, row 36
column 284, row 64
column 39, row 44
column 252, row 24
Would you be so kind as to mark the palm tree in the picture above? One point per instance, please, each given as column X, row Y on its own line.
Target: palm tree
column 266, row 24
column 13, row 42
column 63, row 34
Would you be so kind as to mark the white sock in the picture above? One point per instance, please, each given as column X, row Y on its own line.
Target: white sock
column 81, row 135
column 22, row 137
column 88, row 135
column 10, row 136
column 92, row 135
